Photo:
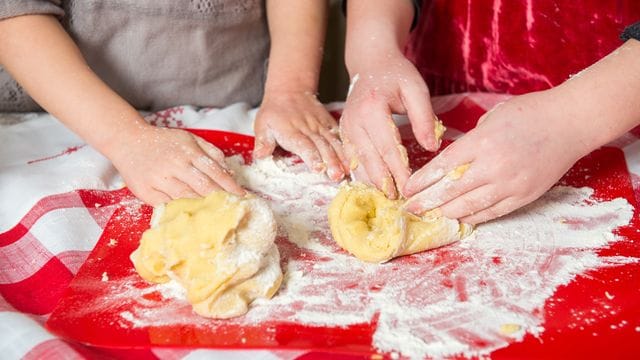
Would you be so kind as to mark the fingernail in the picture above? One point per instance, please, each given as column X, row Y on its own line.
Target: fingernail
column 320, row 167
column 438, row 144
column 465, row 229
column 413, row 208
column 388, row 187
column 334, row 174
column 258, row 146
column 407, row 190
column 432, row 214
column 403, row 154
column 353, row 164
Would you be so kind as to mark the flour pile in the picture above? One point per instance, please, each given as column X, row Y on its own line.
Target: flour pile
column 469, row 298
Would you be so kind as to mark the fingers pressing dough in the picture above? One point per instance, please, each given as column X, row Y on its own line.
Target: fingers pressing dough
column 374, row 228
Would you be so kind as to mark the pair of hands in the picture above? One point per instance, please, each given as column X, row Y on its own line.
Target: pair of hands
column 160, row 164
column 516, row 153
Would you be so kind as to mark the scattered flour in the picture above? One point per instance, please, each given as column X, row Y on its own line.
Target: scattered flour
column 469, row 298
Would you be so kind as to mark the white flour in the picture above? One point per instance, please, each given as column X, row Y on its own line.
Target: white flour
column 469, row 298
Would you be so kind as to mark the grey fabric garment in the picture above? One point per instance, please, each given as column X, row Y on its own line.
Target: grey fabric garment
column 631, row 32
column 159, row 53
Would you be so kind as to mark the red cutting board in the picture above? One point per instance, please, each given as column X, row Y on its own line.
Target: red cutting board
column 604, row 170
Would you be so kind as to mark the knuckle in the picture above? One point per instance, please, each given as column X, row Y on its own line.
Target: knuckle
column 489, row 214
column 313, row 124
column 216, row 153
column 316, row 138
column 468, row 206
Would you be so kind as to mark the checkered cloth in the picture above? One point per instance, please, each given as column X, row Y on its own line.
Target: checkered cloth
column 57, row 196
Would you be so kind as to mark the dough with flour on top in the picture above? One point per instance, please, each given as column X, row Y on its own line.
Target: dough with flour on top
column 374, row 228
column 220, row 248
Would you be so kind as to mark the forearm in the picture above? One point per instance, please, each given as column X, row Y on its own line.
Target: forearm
column 41, row 56
column 297, row 30
column 605, row 98
column 375, row 28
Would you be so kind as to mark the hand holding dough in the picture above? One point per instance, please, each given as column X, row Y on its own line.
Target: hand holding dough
column 219, row 248
column 374, row 228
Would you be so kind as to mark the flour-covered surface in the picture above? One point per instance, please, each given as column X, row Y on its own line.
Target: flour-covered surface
column 567, row 283
column 469, row 298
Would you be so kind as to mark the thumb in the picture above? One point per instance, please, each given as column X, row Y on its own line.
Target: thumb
column 264, row 145
column 417, row 103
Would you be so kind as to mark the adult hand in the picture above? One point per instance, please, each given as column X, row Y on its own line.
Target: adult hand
column 388, row 85
column 299, row 123
column 515, row 154
column 160, row 164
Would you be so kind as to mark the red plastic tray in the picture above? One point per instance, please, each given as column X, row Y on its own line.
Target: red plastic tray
column 608, row 176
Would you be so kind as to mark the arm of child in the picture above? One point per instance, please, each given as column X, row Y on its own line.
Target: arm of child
column 523, row 146
column 157, row 164
column 383, row 82
column 290, row 114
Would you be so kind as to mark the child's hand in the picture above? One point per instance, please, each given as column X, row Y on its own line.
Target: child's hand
column 390, row 84
column 299, row 123
column 160, row 164
column 516, row 153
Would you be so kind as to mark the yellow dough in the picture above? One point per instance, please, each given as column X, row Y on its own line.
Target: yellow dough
column 219, row 248
column 439, row 129
column 374, row 228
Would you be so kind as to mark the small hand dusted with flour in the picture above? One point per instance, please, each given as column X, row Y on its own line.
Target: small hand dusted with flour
column 384, row 82
column 300, row 124
column 160, row 164
column 290, row 115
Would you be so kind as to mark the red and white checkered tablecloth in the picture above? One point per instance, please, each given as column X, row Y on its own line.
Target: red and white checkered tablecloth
column 57, row 196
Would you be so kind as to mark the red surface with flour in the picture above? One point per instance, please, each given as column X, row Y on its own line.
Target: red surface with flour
column 595, row 314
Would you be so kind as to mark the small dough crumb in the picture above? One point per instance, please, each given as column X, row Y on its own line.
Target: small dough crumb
column 219, row 248
column 374, row 228
column 354, row 163
column 439, row 129
column 509, row 329
column 403, row 154
column 457, row 173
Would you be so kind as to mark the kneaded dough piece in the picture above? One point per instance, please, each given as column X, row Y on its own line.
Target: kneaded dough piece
column 374, row 228
column 219, row 248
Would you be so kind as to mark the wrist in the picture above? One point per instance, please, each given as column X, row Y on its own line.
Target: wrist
column 114, row 139
column 570, row 114
column 602, row 99
column 300, row 83
column 587, row 117
column 371, row 54
column 375, row 30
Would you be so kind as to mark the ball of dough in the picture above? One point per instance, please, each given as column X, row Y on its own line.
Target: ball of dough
column 374, row 228
column 219, row 248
